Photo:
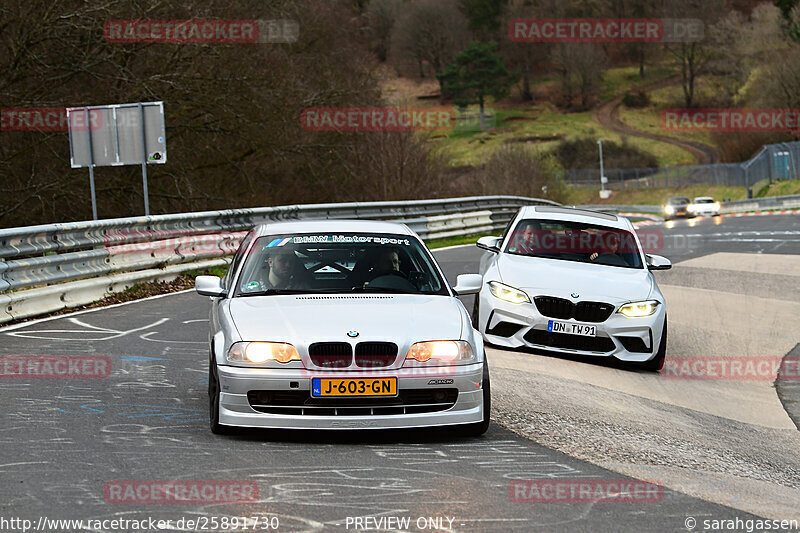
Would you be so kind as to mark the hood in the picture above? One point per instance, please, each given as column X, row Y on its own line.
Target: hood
column 553, row 277
column 303, row 319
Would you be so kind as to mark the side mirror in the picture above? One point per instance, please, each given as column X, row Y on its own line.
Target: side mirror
column 209, row 286
column 468, row 284
column 657, row 262
column 491, row 244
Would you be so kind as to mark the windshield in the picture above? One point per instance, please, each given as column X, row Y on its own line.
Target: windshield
column 336, row 263
column 704, row 201
column 575, row 241
column 678, row 201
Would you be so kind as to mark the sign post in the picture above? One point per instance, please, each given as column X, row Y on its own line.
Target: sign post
column 119, row 134
column 144, row 165
column 91, row 163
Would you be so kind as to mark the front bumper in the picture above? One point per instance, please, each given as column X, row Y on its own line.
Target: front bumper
column 705, row 212
column 236, row 409
column 677, row 213
column 522, row 325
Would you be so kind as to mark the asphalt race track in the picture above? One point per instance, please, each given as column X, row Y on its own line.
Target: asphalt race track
column 722, row 449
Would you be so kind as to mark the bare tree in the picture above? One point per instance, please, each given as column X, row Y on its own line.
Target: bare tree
column 522, row 57
column 232, row 110
column 638, row 9
column 522, row 170
column 773, row 60
column 430, row 34
column 693, row 58
column 381, row 16
column 781, row 85
column 397, row 165
column 580, row 68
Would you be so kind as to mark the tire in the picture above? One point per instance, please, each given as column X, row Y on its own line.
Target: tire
column 213, row 400
column 657, row 363
column 479, row 428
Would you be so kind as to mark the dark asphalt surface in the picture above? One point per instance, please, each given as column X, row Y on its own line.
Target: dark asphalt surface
column 64, row 440
column 769, row 234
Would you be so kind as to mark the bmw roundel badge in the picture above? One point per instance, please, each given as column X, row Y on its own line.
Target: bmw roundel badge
column 575, row 295
column 352, row 333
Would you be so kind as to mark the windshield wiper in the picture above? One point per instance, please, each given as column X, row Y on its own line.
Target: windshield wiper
column 268, row 292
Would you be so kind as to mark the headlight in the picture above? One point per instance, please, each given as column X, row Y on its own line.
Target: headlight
column 639, row 309
column 717, row 206
column 691, row 207
column 507, row 293
column 261, row 352
column 669, row 210
column 449, row 352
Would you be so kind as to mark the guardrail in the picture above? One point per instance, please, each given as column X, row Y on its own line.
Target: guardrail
column 51, row 267
column 737, row 206
column 76, row 263
column 762, row 204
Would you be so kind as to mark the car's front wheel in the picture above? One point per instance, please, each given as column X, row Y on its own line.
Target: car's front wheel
column 479, row 428
column 657, row 363
column 213, row 400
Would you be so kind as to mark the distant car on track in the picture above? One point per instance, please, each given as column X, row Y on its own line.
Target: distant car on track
column 572, row 281
column 677, row 206
column 342, row 325
column 704, row 206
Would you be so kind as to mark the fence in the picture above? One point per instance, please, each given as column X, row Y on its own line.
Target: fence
column 76, row 263
column 772, row 162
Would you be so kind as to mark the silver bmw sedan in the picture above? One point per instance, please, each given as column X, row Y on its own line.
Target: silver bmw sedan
column 339, row 324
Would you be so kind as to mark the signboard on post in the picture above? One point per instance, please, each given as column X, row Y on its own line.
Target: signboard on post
column 118, row 134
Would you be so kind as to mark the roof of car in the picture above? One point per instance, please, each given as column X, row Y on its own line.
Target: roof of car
column 333, row 225
column 679, row 198
column 704, row 198
column 573, row 214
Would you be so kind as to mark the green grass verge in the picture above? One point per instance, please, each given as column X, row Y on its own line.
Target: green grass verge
column 648, row 119
column 618, row 81
column 777, row 188
column 544, row 129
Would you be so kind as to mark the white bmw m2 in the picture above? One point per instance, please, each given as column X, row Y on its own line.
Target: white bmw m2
column 572, row 281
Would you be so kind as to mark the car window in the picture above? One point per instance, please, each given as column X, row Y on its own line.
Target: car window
column 678, row 201
column 575, row 241
column 237, row 259
column 339, row 262
column 704, row 201
column 507, row 228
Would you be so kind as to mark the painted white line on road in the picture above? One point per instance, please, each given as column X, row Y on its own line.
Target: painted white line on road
column 110, row 333
column 146, row 337
column 85, row 311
